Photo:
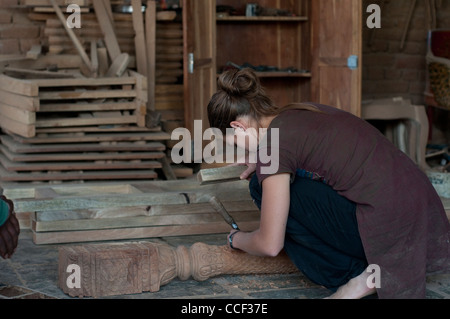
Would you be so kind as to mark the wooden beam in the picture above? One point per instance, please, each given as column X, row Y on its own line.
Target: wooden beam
column 150, row 39
column 139, row 39
column 34, row 52
column 16, row 127
column 108, row 30
column 72, row 35
column 23, row 102
column 17, row 86
column 139, row 221
column 94, row 58
column 137, row 233
column 119, row 65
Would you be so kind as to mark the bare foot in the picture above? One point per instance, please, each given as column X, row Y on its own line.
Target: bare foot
column 356, row 288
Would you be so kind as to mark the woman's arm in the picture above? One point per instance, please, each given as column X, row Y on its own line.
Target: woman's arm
column 268, row 240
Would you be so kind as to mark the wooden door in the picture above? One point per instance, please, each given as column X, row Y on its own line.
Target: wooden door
column 337, row 36
column 199, row 27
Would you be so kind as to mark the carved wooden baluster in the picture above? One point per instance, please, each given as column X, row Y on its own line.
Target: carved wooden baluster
column 106, row 270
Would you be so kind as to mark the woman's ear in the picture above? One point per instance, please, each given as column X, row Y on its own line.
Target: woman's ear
column 238, row 126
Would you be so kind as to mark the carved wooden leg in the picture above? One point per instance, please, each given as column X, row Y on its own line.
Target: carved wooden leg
column 105, row 270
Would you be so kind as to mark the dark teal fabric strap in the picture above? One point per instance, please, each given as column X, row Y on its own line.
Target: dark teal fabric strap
column 4, row 212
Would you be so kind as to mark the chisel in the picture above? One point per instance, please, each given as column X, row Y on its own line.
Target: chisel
column 221, row 209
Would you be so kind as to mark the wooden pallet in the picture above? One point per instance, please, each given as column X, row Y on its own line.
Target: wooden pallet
column 137, row 210
column 29, row 105
column 82, row 156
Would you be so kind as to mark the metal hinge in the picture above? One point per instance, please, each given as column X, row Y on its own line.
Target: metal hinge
column 191, row 63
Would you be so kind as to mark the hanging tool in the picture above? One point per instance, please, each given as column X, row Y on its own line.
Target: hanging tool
column 218, row 206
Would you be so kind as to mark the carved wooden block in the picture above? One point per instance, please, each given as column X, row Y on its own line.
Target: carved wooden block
column 131, row 268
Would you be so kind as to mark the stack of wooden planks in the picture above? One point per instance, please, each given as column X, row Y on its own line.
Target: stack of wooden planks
column 118, row 211
column 77, row 129
column 31, row 106
column 67, row 120
column 110, row 154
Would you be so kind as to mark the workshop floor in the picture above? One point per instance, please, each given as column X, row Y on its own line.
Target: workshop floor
column 32, row 274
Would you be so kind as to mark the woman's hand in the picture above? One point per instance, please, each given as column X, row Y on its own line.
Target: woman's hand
column 247, row 174
column 250, row 162
column 9, row 232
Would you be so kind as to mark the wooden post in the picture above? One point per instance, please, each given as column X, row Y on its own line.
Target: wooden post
column 107, row 28
column 150, row 39
column 130, row 268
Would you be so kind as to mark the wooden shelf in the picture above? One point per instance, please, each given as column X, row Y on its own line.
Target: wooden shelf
column 281, row 74
column 261, row 19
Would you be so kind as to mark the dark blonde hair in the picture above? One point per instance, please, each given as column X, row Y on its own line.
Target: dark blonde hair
column 240, row 94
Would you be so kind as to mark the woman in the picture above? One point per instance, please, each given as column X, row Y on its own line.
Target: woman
column 343, row 202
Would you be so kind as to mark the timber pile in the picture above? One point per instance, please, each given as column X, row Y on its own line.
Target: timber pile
column 67, row 120
column 116, row 211
column 45, row 105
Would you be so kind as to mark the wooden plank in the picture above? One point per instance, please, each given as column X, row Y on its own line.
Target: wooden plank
column 220, row 174
column 61, row 122
column 192, row 209
column 24, row 191
column 126, row 187
column 107, row 5
column 80, row 107
column 72, row 166
column 94, row 58
column 136, row 233
column 19, row 115
column 6, row 176
column 85, row 156
column 150, row 38
column 43, row 3
column 34, row 52
column 95, row 137
column 101, row 201
column 72, row 35
column 22, row 87
column 139, row 221
column 95, row 129
column 47, row 83
column 27, row 103
column 107, row 29
column 16, row 127
column 20, row 72
column 119, row 65
column 103, row 63
column 80, row 147
column 126, row 200
column 93, row 94
column 62, row 61
column 139, row 39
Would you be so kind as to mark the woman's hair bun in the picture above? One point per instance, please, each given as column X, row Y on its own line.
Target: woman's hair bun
column 240, row 83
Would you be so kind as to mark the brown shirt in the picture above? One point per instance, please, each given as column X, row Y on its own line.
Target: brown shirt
column 402, row 222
